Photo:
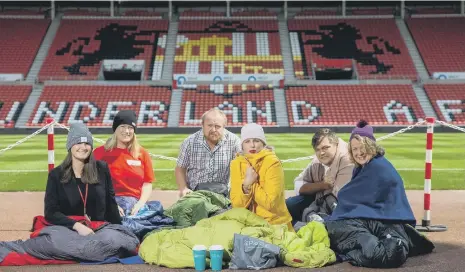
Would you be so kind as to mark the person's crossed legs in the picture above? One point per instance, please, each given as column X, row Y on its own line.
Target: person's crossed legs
column 297, row 204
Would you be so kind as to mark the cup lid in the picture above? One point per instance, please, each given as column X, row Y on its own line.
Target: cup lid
column 216, row 247
column 199, row 247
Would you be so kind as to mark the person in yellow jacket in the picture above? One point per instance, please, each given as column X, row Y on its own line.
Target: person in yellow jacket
column 257, row 178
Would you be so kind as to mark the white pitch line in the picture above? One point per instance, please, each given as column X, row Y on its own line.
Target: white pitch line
column 285, row 169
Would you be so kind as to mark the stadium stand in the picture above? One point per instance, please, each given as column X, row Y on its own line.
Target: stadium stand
column 12, row 100
column 342, row 104
column 318, row 12
column 375, row 44
column 228, row 46
column 19, row 42
column 448, row 101
column 80, row 46
column 200, row 13
column 254, row 13
column 372, row 11
column 441, row 43
column 433, row 10
column 208, row 45
column 241, row 103
column 85, row 13
column 97, row 105
column 144, row 13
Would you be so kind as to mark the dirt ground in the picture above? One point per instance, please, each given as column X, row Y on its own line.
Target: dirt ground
column 448, row 208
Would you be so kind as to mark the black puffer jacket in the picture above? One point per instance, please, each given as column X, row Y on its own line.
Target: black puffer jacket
column 376, row 244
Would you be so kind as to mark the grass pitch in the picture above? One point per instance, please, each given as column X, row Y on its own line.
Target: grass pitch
column 24, row 168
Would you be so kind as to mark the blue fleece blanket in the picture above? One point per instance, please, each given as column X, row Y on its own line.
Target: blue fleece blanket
column 150, row 217
column 376, row 191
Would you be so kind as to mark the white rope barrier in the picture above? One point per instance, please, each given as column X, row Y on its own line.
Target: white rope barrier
column 25, row 139
column 161, row 157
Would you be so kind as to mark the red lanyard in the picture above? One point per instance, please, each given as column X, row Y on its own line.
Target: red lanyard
column 84, row 200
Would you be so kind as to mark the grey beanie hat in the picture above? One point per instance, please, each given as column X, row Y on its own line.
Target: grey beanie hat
column 79, row 133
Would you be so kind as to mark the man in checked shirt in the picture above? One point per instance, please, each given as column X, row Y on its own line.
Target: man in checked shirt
column 204, row 157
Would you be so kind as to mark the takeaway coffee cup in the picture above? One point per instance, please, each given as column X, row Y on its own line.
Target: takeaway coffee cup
column 216, row 257
column 200, row 256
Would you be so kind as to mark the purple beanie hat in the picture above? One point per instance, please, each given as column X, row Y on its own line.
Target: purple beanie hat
column 363, row 129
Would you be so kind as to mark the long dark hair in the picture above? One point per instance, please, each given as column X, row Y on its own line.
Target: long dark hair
column 89, row 172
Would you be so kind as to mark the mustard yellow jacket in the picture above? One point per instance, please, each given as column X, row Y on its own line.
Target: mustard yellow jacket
column 267, row 196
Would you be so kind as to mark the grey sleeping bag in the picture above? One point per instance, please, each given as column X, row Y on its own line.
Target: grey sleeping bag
column 252, row 253
column 61, row 243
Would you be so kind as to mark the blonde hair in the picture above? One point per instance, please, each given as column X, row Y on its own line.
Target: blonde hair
column 134, row 147
column 370, row 147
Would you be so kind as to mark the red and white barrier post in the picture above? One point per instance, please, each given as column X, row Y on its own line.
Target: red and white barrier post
column 51, row 145
column 426, row 221
column 428, row 172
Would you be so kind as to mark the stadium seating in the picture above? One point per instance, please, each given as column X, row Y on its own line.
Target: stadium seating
column 136, row 12
column 80, row 46
column 34, row 12
column 19, row 43
column 254, row 13
column 97, row 105
column 441, row 42
column 241, row 103
column 371, row 11
column 448, row 101
column 12, row 100
column 200, row 13
column 345, row 104
column 318, row 12
column 229, row 46
column 433, row 10
column 375, row 44
column 83, row 12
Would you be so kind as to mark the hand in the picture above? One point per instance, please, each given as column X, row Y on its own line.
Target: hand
column 136, row 208
column 121, row 211
column 184, row 192
column 250, row 176
column 82, row 230
column 327, row 186
column 326, row 179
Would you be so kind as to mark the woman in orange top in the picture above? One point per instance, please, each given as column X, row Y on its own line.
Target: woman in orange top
column 130, row 164
column 257, row 178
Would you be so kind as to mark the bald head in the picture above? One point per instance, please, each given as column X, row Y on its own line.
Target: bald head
column 216, row 115
column 213, row 123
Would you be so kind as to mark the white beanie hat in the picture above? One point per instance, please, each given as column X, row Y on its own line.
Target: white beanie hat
column 252, row 131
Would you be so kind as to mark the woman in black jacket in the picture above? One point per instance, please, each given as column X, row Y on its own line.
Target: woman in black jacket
column 80, row 186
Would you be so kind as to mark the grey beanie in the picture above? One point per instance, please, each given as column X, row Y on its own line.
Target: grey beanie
column 79, row 133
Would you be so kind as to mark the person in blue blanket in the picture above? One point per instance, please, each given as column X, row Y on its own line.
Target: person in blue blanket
column 373, row 223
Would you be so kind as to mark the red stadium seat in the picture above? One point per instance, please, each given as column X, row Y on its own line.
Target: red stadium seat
column 80, row 46
column 229, row 46
column 448, row 101
column 375, row 44
column 12, row 100
column 97, row 105
column 343, row 104
column 20, row 40
column 441, row 42
column 241, row 103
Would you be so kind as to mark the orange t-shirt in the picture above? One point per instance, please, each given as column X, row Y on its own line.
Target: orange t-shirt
column 127, row 173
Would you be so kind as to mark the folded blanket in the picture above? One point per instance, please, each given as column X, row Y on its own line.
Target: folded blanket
column 150, row 217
